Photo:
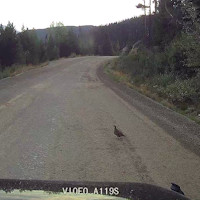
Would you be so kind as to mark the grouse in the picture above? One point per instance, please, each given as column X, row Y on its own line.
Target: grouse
column 176, row 188
column 117, row 132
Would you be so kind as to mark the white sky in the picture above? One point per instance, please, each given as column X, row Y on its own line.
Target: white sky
column 40, row 13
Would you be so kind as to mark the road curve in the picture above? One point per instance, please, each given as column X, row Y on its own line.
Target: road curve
column 56, row 123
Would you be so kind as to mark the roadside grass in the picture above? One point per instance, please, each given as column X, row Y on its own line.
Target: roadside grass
column 160, row 88
column 18, row 69
column 74, row 55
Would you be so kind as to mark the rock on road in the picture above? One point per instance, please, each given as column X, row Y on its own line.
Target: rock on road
column 56, row 123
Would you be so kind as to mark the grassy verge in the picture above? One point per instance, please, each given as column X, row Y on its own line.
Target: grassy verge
column 159, row 88
column 18, row 69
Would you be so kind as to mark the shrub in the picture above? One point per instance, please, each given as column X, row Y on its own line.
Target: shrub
column 181, row 91
column 181, row 55
column 164, row 80
column 141, row 64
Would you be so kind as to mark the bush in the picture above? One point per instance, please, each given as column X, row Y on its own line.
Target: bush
column 6, row 72
column 163, row 74
column 141, row 64
column 162, row 80
column 72, row 55
column 181, row 56
column 181, row 91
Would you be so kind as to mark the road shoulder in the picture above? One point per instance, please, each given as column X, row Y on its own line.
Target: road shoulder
column 184, row 130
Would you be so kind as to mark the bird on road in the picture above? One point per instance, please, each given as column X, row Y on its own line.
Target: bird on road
column 176, row 188
column 117, row 132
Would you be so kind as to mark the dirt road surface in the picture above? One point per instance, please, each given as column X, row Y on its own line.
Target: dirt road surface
column 56, row 123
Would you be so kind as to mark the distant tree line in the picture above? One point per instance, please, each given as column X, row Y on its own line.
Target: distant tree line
column 171, row 19
column 26, row 48
column 111, row 39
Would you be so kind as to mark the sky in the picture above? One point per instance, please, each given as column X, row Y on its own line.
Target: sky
column 41, row 13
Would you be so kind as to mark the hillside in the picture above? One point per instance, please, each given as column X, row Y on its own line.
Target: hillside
column 41, row 33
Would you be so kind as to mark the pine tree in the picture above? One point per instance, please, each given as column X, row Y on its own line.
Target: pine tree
column 52, row 50
column 8, row 45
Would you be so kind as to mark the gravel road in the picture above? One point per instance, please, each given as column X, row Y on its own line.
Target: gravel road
column 56, row 123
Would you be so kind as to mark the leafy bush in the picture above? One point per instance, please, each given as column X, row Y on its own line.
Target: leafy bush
column 164, row 73
column 181, row 56
column 163, row 80
column 144, row 64
column 7, row 71
column 181, row 92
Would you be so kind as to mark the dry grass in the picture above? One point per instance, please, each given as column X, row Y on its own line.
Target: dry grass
column 146, row 90
column 18, row 69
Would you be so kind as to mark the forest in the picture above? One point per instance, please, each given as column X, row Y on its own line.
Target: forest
column 164, row 61
column 159, row 52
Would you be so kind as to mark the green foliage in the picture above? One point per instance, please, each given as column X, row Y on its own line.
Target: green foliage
column 72, row 42
column 191, row 48
column 66, row 41
column 86, row 46
column 43, row 52
column 8, row 45
column 26, row 48
column 177, row 59
column 52, row 50
column 162, row 80
column 169, row 73
column 116, row 48
column 181, row 91
column 102, row 42
column 182, row 56
column 31, row 46
column 86, row 41
column 5, row 73
column 145, row 64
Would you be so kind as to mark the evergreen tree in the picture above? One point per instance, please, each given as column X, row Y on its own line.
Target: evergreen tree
column 72, row 41
column 102, row 42
column 52, row 50
column 43, row 52
column 8, row 45
column 31, row 46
